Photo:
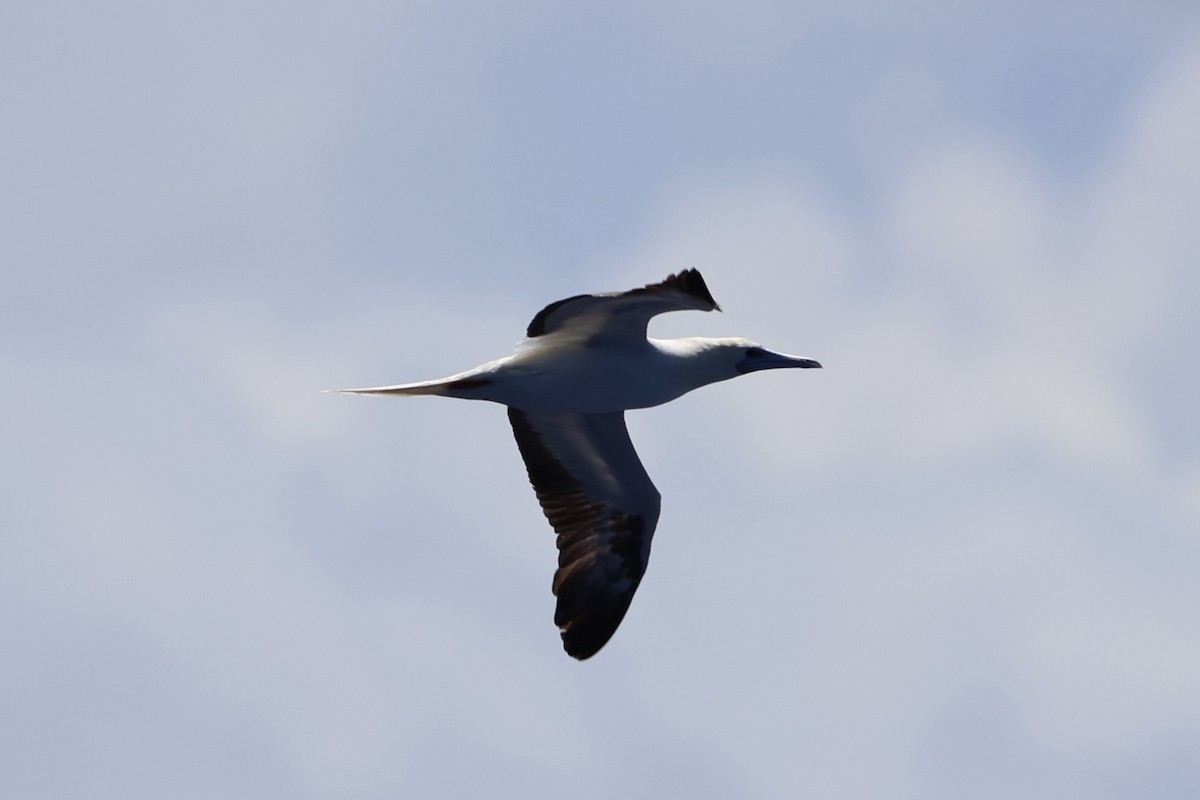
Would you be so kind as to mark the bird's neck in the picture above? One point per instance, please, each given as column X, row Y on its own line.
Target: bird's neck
column 697, row 361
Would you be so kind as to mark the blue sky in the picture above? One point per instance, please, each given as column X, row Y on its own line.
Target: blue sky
column 960, row 561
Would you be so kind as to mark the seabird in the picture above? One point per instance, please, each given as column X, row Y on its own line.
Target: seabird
column 585, row 361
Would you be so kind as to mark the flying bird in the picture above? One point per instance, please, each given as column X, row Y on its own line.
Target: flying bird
column 585, row 361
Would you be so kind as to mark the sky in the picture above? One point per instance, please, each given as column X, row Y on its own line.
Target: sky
column 960, row 561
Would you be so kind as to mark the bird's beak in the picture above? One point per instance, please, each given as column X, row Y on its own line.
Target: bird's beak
column 768, row 360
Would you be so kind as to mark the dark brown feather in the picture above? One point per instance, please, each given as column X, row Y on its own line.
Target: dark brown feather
column 602, row 549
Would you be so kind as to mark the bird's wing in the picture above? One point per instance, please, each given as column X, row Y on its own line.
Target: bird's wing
column 596, row 493
column 622, row 316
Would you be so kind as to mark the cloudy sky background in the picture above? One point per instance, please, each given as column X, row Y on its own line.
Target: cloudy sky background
column 961, row 561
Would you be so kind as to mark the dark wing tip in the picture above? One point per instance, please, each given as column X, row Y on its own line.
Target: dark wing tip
column 587, row 620
column 690, row 282
column 595, row 582
column 588, row 635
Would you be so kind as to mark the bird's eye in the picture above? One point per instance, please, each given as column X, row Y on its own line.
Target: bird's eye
column 754, row 352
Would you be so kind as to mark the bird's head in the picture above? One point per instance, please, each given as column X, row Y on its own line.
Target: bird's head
column 751, row 357
column 714, row 360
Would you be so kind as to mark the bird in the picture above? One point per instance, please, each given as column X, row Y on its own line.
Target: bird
column 584, row 362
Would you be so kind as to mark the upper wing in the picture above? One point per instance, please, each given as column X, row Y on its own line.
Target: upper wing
column 623, row 315
column 596, row 493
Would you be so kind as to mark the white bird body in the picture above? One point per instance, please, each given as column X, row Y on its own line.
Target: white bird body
column 586, row 360
column 558, row 375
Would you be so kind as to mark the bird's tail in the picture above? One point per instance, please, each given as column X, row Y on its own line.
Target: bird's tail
column 464, row 386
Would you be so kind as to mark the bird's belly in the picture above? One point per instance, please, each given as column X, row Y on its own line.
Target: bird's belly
column 601, row 386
